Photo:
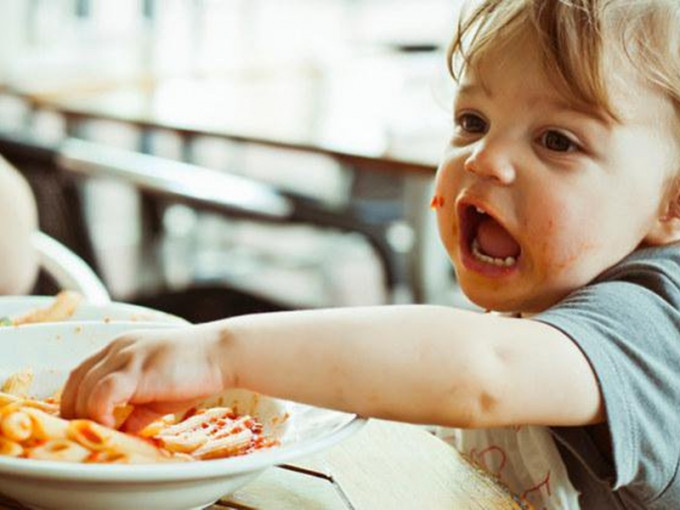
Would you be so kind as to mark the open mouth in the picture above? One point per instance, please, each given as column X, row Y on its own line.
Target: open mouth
column 486, row 240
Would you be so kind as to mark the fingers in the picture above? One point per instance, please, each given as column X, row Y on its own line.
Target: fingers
column 108, row 392
column 104, row 382
column 84, row 379
column 139, row 369
column 144, row 414
column 140, row 417
column 70, row 393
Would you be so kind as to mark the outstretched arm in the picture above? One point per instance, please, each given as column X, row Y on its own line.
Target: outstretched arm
column 422, row 364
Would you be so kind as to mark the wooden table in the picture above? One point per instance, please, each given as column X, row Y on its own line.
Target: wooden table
column 386, row 465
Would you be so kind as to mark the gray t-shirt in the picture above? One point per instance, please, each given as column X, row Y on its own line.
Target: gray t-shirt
column 627, row 323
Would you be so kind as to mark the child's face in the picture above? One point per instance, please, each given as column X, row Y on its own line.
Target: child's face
column 535, row 198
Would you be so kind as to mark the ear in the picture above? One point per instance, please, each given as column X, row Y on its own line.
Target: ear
column 666, row 228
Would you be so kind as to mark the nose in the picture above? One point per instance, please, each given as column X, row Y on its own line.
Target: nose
column 492, row 159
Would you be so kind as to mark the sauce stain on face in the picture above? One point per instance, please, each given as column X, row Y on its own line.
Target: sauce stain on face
column 575, row 256
column 437, row 202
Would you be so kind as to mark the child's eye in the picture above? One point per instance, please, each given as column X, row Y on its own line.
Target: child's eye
column 471, row 123
column 556, row 141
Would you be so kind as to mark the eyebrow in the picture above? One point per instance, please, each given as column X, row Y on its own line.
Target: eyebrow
column 474, row 88
column 560, row 104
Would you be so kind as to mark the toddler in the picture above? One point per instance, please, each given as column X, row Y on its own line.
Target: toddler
column 558, row 202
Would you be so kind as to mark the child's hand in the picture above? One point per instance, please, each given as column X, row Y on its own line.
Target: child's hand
column 156, row 371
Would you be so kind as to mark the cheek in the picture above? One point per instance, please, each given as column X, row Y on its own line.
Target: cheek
column 564, row 238
column 448, row 232
column 443, row 203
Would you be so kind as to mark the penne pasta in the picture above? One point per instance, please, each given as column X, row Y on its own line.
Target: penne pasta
column 85, row 433
column 63, row 450
column 97, row 438
column 10, row 448
column 226, row 446
column 33, row 429
column 47, row 407
column 63, row 307
column 18, row 384
column 195, row 423
column 120, row 414
column 46, row 426
column 16, row 426
column 194, row 432
column 213, row 433
column 6, row 399
column 116, row 457
column 156, row 427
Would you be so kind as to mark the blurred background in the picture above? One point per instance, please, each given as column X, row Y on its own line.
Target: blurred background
column 216, row 157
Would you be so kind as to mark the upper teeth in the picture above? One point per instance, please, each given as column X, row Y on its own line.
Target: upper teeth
column 480, row 211
column 479, row 255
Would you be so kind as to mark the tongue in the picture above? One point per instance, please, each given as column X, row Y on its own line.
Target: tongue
column 495, row 241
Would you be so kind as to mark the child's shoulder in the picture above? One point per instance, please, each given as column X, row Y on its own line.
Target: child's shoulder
column 627, row 324
column 648, row 266
column 642, row 291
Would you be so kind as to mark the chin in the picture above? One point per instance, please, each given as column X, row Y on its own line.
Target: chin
column 504, row 301
column 493, row 303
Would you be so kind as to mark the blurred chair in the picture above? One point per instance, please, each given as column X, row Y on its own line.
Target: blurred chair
column 68, row 270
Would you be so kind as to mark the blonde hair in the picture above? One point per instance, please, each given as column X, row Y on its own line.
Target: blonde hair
column 573, row 36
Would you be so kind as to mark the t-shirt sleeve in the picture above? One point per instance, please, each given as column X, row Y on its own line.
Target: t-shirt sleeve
column 628, row 327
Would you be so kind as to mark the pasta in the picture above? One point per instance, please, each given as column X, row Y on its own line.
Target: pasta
column 62, row 308
column 10, row 448
column 17, row 426
column 19, row 383
column 213, row 433
column 62, row 450
column 32, row 429
column 29, row 432
column 47, row 406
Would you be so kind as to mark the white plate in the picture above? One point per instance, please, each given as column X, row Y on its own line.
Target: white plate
column 51, row 350
column 13, row 306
